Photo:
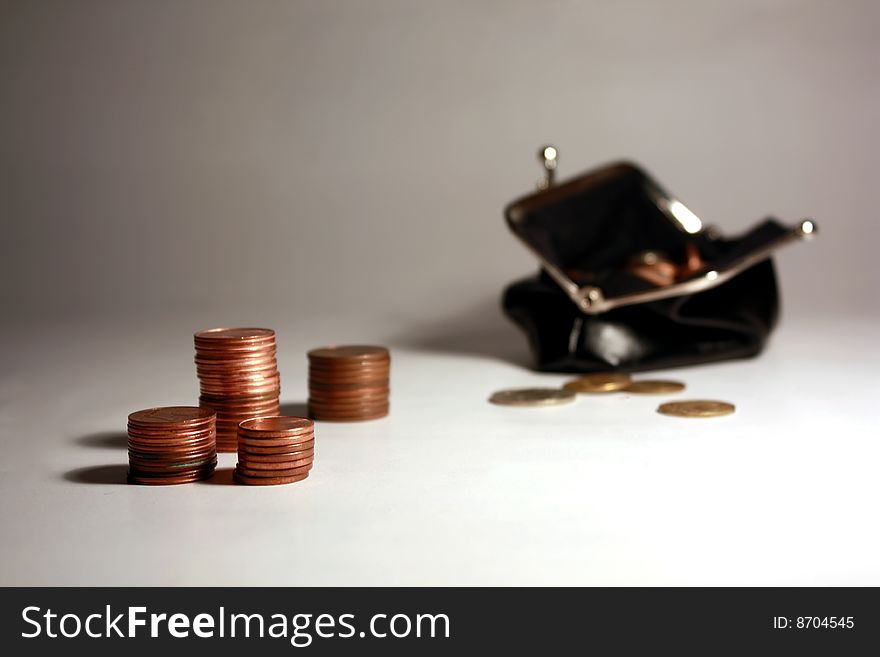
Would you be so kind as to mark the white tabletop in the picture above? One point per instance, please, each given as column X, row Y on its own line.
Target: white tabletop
column 449, row 490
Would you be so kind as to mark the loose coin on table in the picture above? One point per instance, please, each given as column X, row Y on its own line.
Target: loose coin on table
column 654, row 387
column 599, row 383
column 696, row 408
column 532, row 397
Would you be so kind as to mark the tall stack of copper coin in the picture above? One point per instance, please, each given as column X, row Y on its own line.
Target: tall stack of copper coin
column 274, row 450
column 171, row 445
column 349, row 383
column 238, row 376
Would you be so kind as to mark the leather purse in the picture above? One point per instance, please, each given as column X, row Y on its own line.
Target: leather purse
column 631, row 280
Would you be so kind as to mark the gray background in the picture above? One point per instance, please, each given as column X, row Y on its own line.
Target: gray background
column 355, row 156
column 337, row 171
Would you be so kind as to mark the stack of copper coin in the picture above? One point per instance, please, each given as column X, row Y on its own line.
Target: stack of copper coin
column 275, row 450
column 349, row 383
column 171, row 445
column 238, row 376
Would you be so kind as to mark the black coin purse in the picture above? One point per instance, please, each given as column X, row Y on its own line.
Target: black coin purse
column 631, row 279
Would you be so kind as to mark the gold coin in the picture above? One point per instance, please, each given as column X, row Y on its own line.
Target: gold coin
column 696, row 408
column 532, row 397
column 598, row 383
column 654, row 387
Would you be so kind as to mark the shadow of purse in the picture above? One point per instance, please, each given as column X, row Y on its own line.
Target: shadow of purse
column 631, row 280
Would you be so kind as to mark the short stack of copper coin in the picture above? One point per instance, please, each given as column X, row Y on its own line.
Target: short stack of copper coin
column 171, row 445
column 275, row 450
column 349, row 383
column 238, row 377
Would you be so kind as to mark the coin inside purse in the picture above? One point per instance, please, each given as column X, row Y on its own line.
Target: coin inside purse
column 616, row 229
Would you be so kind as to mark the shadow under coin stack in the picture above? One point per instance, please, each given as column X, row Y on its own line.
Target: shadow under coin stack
column 274, row 450
column 238, row 377
column 171, row 445
column 349, row 383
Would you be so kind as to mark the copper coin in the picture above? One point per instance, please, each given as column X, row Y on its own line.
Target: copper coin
column 599, row 383
column 263, row 398
column 348, row 384
column 287, row 472
column 218, row 347
column 233, row 383
column 246, row 457
column 160, row 430
column 238, row 375
column 346, row 369
column 324, row 397
column 280, row 425
column 223, row 365
column 146, row 452
column 171, row 441
column 363, row 352
column 235, row 391
column 156, row 455
column 342, row 395
column 358, row 385
column 251, row 361
column 349, row 405
column 376, row 391
column 291, row 436
column 221, row 404
column 235, row 350
column 146, row 471
column 198, row 425
column 175, row 467
column 247, row 409
column 240, row 387
column 244, row 348
column 226, row 414
column 697, row 408
column 171, row 444
column 232, row 424
column 235, row 335
column 163, row 429
column 153, row 447
column 232, row 397
column 660, row 274
column 196, row 469
column 268, row 450
column 169, row 480
column 274, row 466
column 214, row 397
column 249, row 443
column 159, row 452
column 293, row 451
column 654, row 387
column 259, row 446
column 253, row 436
column 266, row 481
column 227, row 369
column 171, row 416
column 322, row 372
